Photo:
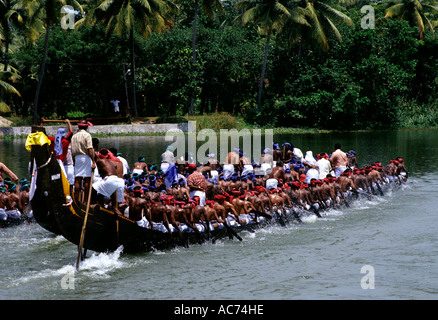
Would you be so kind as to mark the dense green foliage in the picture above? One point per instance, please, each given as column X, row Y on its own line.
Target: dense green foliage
column 381, row 77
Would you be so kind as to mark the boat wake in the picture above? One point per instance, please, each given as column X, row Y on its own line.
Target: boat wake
column 100, row 265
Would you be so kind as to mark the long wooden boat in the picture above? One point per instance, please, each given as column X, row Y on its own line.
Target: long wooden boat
column 55, row 210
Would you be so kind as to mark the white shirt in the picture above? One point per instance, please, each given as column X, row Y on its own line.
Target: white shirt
column 311, row 174
column 324, row 167
column 298, row 154
column 168, row 157
column 116, row 105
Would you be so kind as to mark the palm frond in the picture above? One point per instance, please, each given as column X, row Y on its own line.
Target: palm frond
column 4, row 108
column 8, row 88
column 318, row 33
column 394, row 11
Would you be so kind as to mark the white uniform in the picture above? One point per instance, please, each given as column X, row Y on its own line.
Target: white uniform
column 108, row 185
column 324, row 167
column 311, row 174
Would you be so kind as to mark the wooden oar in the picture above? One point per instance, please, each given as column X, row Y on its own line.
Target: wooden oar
column 72, row 121
column 81, row 241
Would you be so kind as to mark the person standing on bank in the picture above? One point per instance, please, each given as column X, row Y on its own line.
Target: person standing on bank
column 83, row 155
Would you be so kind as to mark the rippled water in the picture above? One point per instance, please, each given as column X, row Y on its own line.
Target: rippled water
column 320, row 259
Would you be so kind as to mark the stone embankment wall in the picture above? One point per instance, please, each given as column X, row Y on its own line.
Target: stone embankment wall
column 105, row 129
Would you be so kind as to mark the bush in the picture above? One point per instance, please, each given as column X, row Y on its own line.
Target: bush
column 216, row 121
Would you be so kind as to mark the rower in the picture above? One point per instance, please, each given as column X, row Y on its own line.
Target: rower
column 197, row 184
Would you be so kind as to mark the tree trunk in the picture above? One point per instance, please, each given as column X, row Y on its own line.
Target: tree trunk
column 6, row 64
column 128, row 112
column 262, row 77
column 195, row 26
column 134, row 99
column 41, row 75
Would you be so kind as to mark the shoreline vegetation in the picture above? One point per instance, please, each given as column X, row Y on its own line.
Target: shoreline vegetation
column 307, row 64
column 215, row 122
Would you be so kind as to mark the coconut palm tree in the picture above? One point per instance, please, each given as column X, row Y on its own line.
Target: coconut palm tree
column 209, row 7
column 10, row 18
column 48, row 12
column 322, row 20
column 414, row 11
column 270, row 16
column 7, row 75
column 145, row 16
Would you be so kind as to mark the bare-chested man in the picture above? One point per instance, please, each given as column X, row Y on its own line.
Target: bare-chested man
column 231, row 163
column 5, row 170
column 111, row 186
column 140, row 166
column 276, row 152
column 138, row 207
column 275, row 176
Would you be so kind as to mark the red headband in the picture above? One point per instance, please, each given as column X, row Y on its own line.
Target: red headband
column 80, row 124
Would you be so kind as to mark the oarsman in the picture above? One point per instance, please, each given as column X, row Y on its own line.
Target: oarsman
column 401, row 169
column 213, row 164
column 324, row 165
column 245, row 164
column 287, row 155
column 312, row 173
column 352, row 160
column 266, row 160
column 4, row 170
column 110, row 187
column 116, row 162
column 197, row 184
column 3, row 200
column 12, row 204
column 24, row 199
column 119, row 156
column 83, row 155
column 138, row 207
column 338, row 160
column 309, row 159
column 140, row 166
column 276, row 152
column 275, row 176
column 297, row 154
column 231, row 163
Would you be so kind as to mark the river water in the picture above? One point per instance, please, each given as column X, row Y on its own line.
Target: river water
column 386, row 248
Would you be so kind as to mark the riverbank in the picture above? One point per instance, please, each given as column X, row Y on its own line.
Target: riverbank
column 160, row 126
column 104, row 130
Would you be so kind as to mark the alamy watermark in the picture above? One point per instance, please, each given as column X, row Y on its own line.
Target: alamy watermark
column 367, row 281
column 69, row 17
column 69, row 14
column 68, row 281
column 369, row 20
column 249, row 142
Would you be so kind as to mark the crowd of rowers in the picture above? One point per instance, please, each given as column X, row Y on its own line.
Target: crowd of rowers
column 150, row 194
column 14, row 198
column 181, row 192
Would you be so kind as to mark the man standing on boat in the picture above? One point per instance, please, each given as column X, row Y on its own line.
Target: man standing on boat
column 60, row 143
column 266, row 159
column 83, row 155
column 339, row 160
column 167, row 157
column 197, row 184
